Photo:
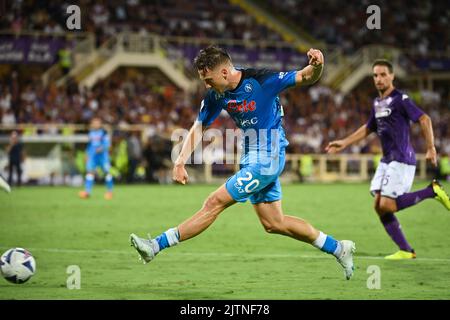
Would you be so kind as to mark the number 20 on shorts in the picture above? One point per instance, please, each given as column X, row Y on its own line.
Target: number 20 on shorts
column 251, row 185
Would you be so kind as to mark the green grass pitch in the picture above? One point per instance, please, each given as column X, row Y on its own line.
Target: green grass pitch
column 233, row 259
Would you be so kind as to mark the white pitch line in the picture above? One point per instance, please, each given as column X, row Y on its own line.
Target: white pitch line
column 215, row 254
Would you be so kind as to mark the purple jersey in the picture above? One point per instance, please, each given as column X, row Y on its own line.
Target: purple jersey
column 390, row 119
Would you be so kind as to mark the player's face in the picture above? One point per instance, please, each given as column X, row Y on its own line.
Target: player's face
column 215, row 78
column 96, row 124
column 382, row 78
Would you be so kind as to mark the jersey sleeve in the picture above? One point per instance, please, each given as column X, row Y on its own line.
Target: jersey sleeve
column 411, row 109
column 209, row 110
column 275, row 82
column 372, row 122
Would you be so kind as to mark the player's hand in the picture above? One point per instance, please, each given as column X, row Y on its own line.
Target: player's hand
column 432, row 156
column 335, row 146
column 315, row 57
column 179, row 174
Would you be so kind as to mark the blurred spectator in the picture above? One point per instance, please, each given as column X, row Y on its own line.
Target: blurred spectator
column 314, row 115
column 16, row 156
column 444, row 166
column 199, row 18
column 134, row 150
column 419, row 26
column 65, row 59
column 157, row 153
column 119, row 155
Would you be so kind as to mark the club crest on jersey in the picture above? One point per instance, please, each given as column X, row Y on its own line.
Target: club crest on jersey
column 234, row 106
column 248, row 87
column 219, row 95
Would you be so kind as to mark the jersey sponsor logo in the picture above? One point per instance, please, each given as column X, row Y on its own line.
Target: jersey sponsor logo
column 234, row 106
column 281, row 75
column 248, row 87
column 382, row 113
column 249, row 122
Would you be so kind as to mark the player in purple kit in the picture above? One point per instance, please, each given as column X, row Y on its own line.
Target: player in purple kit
column 390, row 119
column 250, row 96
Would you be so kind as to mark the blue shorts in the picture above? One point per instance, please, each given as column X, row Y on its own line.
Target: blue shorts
column 98, row 160
column 258, row 180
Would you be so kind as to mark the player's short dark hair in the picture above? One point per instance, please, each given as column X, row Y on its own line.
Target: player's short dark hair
column 210, row 57
column 383, row 62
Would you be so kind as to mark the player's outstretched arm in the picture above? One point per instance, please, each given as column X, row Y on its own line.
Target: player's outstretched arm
column 311, row 73
column 339, row 145
column 427, row 130
column 194, row 137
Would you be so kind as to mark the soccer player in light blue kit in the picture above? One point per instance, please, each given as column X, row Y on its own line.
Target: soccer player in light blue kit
column 251, row 98
column 97, row 156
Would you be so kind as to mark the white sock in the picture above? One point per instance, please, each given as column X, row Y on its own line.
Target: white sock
column 155, row 246
column 173, row 236
column 338, row 250
column 320, row 241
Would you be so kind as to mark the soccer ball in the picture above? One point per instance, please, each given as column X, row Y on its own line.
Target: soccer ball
column 17, row 265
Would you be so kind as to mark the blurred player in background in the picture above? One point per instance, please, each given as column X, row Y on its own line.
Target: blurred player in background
column 250, row 96
column 390, row 119
column 97, row 152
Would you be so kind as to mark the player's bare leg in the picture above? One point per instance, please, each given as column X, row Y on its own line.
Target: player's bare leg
column 89, row 183
column 274, row 221
column 109, row 184
column 216, row 202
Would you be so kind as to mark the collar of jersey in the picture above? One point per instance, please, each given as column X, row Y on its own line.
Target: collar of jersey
column 391, row 95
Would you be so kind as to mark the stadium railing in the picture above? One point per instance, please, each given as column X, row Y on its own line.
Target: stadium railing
column 47, row 153
column 323, row 168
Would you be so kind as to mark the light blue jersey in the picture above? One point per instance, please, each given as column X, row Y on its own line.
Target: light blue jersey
column 98, row 150
column 255, row 107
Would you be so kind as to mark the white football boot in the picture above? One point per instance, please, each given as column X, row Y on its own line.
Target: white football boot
column 4, row 185
column 346, row 257
column 144, row 247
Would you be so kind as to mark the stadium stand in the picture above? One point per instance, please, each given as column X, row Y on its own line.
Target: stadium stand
column 147, row 98
column 414, row 28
